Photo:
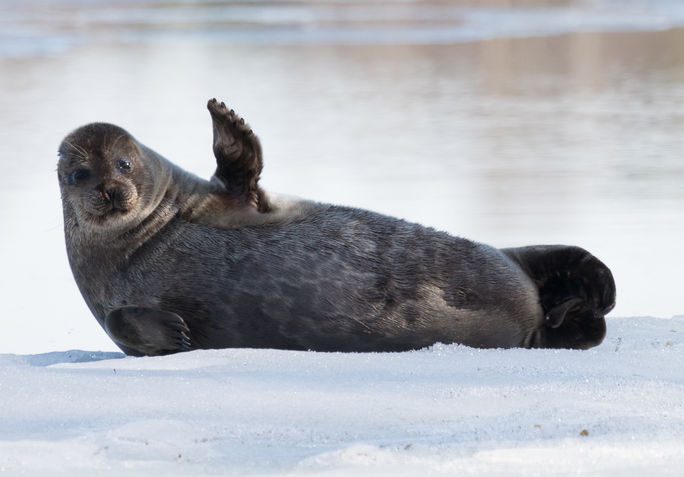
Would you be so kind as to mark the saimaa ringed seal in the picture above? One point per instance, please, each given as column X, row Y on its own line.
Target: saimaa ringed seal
column 170, row 262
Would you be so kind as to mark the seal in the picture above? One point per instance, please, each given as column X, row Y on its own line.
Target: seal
column 168, row 262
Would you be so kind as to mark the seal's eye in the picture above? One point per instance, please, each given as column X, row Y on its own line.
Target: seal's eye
column 124, row 165
column 77, row 176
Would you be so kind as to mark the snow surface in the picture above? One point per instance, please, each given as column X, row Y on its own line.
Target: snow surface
column 614, row 410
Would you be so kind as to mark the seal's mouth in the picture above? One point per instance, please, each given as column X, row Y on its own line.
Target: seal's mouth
column 105, row 213
column 113, row 217
column 115, row 211
column 106, row 205
column 108, row 213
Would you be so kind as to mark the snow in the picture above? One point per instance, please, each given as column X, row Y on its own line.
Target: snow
column 561, row 139
column 612, row 410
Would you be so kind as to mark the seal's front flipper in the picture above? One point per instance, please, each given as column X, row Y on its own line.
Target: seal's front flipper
column 576, row 291
column 238, row 156
column 140, row 331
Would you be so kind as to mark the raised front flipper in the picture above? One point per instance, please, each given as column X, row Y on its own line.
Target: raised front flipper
column 140, row 331
column 238, row 156
column 576, row 291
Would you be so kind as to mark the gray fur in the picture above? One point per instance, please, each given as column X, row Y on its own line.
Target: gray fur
column 186, row 265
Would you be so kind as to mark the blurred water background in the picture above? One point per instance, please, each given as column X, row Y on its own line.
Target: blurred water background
column 507, row 122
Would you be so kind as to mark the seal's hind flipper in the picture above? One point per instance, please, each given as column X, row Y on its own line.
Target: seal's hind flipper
column 238, row 155
column 576, row 291
column 140, row 331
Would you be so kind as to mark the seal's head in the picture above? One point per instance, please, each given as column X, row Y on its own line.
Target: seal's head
column 108, row 180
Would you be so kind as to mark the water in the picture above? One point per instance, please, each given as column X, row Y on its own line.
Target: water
column 51, row 26
column 546, row 122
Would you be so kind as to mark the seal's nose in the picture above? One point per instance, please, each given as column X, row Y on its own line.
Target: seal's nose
column 108, row 192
